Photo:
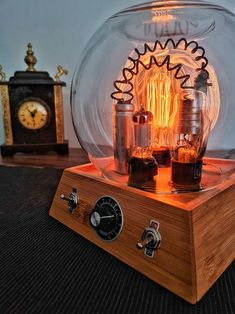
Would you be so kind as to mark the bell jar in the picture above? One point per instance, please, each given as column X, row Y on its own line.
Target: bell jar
column 153, row 97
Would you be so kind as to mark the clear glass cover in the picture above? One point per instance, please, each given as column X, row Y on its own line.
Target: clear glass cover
column 145, row 56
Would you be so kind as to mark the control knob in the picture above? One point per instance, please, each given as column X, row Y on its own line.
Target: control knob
column 107, row 218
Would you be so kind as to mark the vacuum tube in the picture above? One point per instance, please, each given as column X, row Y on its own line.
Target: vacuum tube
column 123, row 136
column 142, row 165
column 188, row 135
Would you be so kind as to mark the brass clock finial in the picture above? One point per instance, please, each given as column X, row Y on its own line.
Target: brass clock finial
column 30, row 59
column 60, row 72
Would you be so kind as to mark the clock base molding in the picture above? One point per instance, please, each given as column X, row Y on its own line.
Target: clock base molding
column 59, row 148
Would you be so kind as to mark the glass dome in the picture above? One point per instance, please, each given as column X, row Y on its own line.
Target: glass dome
column 154, row 94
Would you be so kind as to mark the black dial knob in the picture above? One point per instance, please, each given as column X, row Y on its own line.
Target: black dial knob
column 106, row 218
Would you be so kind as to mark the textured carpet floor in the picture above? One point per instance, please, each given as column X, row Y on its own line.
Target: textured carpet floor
column 46, row 268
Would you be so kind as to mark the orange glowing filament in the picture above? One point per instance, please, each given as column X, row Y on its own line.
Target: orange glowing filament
column 187, row 154
column 159, row 101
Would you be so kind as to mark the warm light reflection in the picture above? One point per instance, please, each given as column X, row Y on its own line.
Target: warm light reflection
column 162, row 17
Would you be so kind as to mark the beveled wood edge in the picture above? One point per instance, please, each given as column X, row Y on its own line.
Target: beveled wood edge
column 168, row 199
column 193, row 259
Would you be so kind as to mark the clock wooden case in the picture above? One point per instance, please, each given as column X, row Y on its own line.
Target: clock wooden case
column 32, row 111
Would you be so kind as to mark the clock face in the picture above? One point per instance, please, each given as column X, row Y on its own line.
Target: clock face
column 33, row 114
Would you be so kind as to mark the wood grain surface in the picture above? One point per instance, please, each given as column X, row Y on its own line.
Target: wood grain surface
column 193, row 252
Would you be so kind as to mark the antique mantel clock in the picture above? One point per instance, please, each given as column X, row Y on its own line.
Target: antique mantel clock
column 33, row 110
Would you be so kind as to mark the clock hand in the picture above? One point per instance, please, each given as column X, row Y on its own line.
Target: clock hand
column 29, row 111
column 32, row 113
column 33, row 119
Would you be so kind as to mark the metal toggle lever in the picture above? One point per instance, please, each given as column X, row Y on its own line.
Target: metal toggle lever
column 72, row 200
column 145, row 242
column 151, row 239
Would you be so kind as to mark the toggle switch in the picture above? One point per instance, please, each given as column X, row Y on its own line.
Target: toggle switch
column 72, row 200
column 151, row 239
column 145, row 242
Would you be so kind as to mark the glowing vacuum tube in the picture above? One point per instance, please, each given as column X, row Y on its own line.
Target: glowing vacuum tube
column 188, row 134
column 159, row 101
column 142, row 165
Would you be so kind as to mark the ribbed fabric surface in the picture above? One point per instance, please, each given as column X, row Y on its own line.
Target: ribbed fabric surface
column 47, row 268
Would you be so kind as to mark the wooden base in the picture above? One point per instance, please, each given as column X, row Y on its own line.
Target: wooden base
column 197, row 229
column 10, row 150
